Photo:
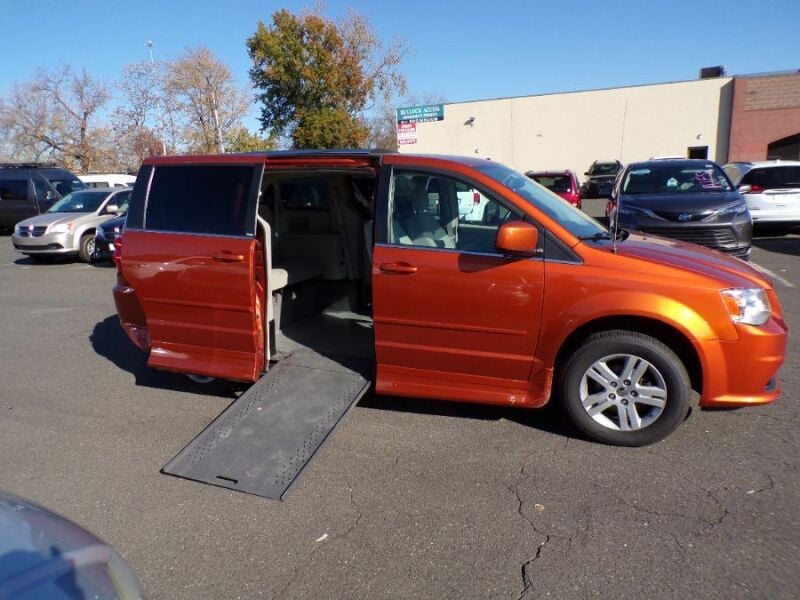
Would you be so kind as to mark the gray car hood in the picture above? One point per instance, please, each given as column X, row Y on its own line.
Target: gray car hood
column 48, row 219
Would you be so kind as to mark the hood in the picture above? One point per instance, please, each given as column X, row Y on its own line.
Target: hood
column 47, row 219
column 692, row 259
column 112, row 223
column 668, row 205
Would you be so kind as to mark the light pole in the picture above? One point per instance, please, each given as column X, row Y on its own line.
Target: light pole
column 159, row 120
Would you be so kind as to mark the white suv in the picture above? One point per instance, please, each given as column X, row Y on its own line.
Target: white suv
column 770, row 188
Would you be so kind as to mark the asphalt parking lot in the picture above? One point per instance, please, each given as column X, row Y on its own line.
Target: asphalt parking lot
column 408, row 499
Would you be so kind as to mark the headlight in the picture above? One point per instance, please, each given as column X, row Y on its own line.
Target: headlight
column 635, row 210
column 747, row 305
column 736, row 209
column 61, row 228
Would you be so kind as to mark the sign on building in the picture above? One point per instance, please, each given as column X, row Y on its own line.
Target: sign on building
column 421, row 114
column 406, row 133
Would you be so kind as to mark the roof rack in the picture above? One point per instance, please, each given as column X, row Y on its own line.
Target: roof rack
column 28, row 165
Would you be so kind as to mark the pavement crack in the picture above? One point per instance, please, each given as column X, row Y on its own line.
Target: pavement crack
column 527, row 566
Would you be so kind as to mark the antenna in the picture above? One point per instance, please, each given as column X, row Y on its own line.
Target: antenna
column 615, row 224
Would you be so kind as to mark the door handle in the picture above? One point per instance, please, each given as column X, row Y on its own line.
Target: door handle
column 228, row 257
column 400, row 268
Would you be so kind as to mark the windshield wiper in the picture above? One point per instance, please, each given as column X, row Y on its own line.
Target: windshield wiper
column 604, row 235
column 600, row 235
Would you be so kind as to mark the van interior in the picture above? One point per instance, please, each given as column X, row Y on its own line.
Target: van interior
column 317, row 234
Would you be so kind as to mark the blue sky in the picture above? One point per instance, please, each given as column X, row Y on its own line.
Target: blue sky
column 460, row 50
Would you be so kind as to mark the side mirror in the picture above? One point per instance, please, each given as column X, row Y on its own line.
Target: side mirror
column 112, row 209
column 518, row 238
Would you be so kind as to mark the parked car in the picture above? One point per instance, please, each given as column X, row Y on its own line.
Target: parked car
column 107, row 180
column 217, row 275
column 770, row 188
column 43, row 555
column 28, row 189
column 600, row 178
column 564, row 183
column 104, row 238
column 68, row 227
column 687, row 199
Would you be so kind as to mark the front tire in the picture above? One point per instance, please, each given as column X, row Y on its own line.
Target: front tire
column 624, row 388
column 86, row 248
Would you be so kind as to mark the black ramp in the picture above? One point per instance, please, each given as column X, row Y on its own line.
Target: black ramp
column 262, row 442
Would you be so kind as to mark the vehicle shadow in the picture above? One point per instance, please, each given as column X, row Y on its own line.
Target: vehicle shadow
column 780, row 241
column 44, row 261
column 549, row 418
column 109, row 341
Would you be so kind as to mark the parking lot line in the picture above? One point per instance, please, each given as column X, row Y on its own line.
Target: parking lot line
column 774, row 276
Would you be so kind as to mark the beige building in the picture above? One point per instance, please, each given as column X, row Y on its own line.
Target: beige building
column 571, row 130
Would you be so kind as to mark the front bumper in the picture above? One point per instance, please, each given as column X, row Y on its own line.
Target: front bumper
column 49, row 243
column 103, row 248
column 732, row 237
column 744, row 372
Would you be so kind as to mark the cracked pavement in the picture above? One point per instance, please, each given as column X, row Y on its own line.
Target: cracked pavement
column 408, row 499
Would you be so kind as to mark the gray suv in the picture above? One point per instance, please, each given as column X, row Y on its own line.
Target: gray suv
column 28, row 189
column 69, row 226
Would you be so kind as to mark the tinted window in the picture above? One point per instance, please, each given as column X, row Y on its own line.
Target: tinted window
column 555, row 183
column 14, row 189
column 604, row 169
column 66, row 185
column 773, row 177
column 41, row 187
column 201, row 199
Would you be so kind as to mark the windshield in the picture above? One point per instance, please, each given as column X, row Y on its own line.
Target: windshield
column 604, row 169
column 555, row 207
column 555, row 183
column 675, row 179
column 66, row 186
column 79, row 202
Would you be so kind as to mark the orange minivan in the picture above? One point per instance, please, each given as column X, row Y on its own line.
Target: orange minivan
column 231, row 263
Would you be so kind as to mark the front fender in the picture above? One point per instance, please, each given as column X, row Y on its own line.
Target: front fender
column 560, row 322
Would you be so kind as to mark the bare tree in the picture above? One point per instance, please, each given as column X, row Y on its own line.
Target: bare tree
column 206, row 94
column 54, row 115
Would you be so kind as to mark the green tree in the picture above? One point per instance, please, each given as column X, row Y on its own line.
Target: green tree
column 241, row 139
column 316, row 77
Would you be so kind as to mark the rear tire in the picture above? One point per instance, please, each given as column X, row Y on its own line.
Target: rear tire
column 86, row 248
column 624, row 388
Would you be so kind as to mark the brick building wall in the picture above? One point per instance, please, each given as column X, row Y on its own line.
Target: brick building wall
column 766, row 108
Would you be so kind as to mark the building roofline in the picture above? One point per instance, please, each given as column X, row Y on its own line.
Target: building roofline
column 624, row 87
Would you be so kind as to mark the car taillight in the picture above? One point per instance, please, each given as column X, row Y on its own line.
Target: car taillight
column 118, row 250
column 476, row 198
column 754, row 189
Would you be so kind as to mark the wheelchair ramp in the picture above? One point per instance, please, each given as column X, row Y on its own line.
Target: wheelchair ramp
column 264, row 440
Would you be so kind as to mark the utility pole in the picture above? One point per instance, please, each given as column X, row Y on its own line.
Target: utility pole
column 159, row 119
column 215, row 114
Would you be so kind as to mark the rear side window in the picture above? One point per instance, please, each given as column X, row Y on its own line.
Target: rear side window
column 208, row 199
column 14, row 189
column 773, row 178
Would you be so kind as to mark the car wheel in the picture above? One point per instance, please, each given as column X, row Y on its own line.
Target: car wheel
column 86, row 248
column 624, row 388
column 200, row 379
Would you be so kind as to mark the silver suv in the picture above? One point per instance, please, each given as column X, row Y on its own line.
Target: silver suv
column 770, row 188
column 68, row 227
